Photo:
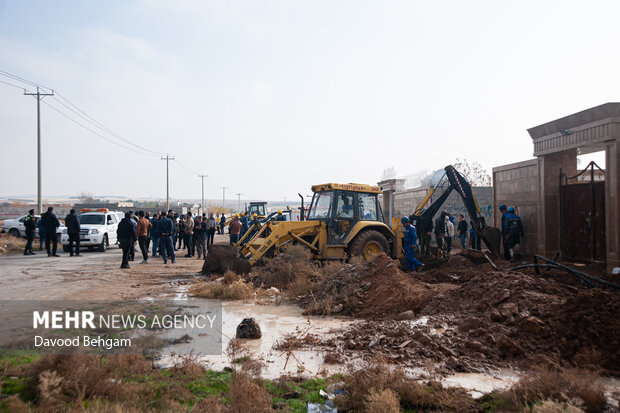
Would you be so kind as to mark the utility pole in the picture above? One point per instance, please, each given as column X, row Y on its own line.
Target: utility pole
column 39, row 96
column 239, row 202
column 223, row 195
column 167, row 158
column 202, row 203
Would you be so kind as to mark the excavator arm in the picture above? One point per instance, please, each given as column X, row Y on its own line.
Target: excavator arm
column 457, row 182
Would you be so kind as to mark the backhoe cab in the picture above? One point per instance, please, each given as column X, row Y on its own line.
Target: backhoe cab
column 258, row 208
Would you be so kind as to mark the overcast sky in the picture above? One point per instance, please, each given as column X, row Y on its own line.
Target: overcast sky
column 270, row 97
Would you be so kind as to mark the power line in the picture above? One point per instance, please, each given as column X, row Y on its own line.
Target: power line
column 88, row 118
column 11, row 84
column 21, row 79
column 97, row 133
column 182, row 165
column 76, row 111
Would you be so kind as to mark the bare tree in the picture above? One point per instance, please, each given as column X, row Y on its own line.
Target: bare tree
column 474, row 172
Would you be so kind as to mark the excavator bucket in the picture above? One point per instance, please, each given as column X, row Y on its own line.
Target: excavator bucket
column 492, row 238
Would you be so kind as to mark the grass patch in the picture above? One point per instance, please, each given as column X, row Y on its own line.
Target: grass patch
column 129, row 383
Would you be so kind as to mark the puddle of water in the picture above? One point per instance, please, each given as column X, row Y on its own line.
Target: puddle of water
column 275, row 322
column 479, row 384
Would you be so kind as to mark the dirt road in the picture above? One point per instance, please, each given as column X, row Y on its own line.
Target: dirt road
column 94, row 275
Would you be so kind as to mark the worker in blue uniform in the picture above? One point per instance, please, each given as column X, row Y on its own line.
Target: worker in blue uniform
column 514, row 231
column 411, row 245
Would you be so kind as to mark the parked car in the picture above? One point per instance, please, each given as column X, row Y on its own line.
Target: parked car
column 97, row 229
column 16, row 227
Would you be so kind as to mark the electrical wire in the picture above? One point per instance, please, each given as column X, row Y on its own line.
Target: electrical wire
column 89, row 119
column 94, row 132
column 21, row 79
column 11, row 84
column 182, row 165
column 83, row 115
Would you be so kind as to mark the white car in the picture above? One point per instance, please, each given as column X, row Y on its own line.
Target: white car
column 16, row 226
column 97, row 229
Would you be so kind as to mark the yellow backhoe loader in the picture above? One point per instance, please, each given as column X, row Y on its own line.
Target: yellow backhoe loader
column 343, row 220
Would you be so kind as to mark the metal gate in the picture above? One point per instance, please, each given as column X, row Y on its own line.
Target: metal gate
column 582, row 215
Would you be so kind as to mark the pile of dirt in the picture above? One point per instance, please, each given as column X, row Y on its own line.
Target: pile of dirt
column 481, row 320
column 372, row 289
column 538, row 319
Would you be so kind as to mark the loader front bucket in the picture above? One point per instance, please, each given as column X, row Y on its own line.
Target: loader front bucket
column 225, row 257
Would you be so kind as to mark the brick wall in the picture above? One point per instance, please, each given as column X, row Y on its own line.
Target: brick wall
column 517, row 185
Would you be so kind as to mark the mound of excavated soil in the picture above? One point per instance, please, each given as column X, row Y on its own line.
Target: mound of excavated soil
column 523, row 316
column 373, row 289
column 484, row 318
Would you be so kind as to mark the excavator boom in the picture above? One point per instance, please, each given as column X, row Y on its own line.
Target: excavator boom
column 457, row 182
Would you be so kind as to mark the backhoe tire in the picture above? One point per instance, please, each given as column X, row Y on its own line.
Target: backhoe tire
column 368, row 244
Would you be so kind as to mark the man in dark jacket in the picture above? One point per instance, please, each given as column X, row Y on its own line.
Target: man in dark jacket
column 440, row 233
column 126, row 235
column 199, row 237
column 166, row 228
column 50, row 223
column 462, row 229
column 30, row 225
column 177, row 228
column 73, row 231
column 424, row 228
column 155, row 235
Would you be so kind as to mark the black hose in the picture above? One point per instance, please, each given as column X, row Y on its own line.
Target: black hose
column 584, row 279
column 579, row 272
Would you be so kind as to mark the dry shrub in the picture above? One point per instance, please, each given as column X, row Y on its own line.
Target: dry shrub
column 59, row 380
column 573, row 386
column 248, row 395
column 10, row 244
column 14, row 404
column 384, row 401
column 236, row 290
column 413, row 395
column 296, row 340
column 230, row 277
column 549, row 406
column 291, row 265
column 211, row 404
column 188, row 366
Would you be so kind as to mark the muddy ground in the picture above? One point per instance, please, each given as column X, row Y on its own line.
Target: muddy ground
column 95, row 275
column 459, row 316
column 465, row 316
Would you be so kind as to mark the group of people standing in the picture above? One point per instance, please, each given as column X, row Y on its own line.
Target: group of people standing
column 512, row 231
column 166, row 233
column 48, row 224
